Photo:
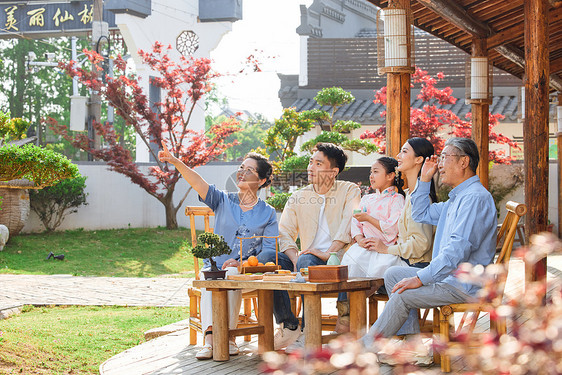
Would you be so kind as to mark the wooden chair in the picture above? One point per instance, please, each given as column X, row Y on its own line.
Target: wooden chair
column 443, row 315
column 245, row 318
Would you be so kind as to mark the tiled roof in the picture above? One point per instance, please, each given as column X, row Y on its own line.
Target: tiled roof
column 364, row 111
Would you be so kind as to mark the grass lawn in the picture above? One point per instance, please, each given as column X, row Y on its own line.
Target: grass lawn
column 75, row 340
column 141, row 252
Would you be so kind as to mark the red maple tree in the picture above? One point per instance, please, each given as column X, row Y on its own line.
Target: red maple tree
column 434, row 122
column 183, row 84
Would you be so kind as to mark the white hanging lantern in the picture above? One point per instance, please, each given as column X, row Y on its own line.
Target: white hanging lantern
column 395, row 38
column 478, row 80
column 522, row 102
column 559, row 118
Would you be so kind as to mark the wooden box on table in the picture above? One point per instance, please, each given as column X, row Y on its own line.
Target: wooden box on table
column 323, row 274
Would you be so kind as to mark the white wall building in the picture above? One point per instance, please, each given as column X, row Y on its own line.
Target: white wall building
column 187, row 25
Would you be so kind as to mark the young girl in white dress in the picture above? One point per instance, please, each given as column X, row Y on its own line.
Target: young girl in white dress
column 378, row 219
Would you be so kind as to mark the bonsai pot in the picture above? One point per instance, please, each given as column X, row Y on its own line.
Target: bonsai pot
column 214, row 275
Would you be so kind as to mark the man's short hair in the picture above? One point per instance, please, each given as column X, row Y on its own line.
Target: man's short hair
column 467, row 147
column 334, row 153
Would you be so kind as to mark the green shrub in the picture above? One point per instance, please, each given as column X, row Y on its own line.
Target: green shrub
column 346, row 126
column 334, row 97
column 295, row 163
column 278, row 200
column 324, row 136
column 53, row 203
column 12, row 129
column 41, row 166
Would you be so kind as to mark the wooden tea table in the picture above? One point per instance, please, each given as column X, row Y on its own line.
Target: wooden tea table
column 356, row 289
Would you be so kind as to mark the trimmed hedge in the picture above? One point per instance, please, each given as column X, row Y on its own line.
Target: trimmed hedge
column 41, row 166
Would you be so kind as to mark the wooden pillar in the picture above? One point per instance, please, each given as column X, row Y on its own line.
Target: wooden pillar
column 480, row 120
column 397, row 112
column 398, row 99
column 559, row 146
column 536, row 125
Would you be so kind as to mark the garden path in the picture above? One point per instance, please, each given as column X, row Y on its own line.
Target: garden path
column 20, row 290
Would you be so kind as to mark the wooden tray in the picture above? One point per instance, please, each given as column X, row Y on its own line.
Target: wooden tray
column 253, row 269
column 324, row 274
column 245, row 277
column 279, row 277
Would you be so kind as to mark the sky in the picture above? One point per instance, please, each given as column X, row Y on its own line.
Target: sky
column 267, row 30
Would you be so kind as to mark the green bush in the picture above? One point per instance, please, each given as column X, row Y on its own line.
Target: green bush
column 53, row 203
column 41, row 166
column 334, row 97
column 295, row 163
column 278, row 200
column 324, row 136
column 12, row 129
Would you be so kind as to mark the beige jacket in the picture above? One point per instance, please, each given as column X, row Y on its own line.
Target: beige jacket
column 415, row 240
column 300, row 215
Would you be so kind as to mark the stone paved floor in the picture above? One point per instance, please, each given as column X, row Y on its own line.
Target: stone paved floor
column 19, row 290
column 168, row 354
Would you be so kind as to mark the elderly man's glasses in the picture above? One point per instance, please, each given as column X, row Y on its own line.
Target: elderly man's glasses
column 247, row 171
column 443, row 156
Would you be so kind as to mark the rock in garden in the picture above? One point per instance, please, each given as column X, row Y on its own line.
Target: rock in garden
column 4, row 236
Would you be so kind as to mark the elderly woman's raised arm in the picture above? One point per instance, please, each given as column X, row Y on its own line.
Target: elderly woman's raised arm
column 193, row 178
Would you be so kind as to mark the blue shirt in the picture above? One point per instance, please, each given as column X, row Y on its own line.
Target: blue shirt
column 466, row 230
column 232, row 222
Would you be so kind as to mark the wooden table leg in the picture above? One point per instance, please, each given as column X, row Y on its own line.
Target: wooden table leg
column 265, row 319
column 358, row 312
column 313, row 321
column 220, row 325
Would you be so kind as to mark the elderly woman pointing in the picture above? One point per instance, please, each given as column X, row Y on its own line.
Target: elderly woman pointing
column 237, row 214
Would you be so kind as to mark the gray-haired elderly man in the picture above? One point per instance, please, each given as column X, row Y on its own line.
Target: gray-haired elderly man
column 466, row 232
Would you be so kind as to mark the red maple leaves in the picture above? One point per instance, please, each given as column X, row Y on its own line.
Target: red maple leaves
column 435, row 121
column 183, row 85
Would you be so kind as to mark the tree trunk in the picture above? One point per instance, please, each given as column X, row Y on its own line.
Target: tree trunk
column 16, row 103
column 171, row 212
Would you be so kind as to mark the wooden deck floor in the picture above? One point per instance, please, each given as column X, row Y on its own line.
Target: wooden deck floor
column 170, row 354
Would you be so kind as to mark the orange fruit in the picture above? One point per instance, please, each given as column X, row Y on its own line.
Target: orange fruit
column 245, row 264
column 253, row 261
column 270, row 264
column 260, row 264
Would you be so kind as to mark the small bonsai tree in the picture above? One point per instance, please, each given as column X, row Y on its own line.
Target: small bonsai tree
column 210, row 245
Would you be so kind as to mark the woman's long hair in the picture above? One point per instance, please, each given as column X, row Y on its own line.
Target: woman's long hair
column 422, row 147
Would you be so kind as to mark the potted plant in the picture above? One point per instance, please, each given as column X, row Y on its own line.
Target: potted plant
column 210, row 245
column 27, row 167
